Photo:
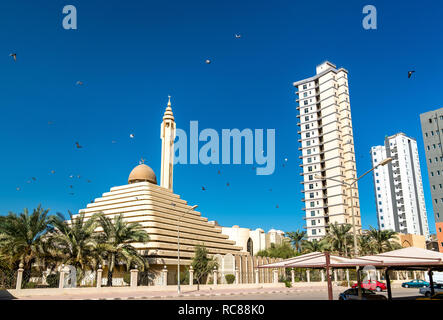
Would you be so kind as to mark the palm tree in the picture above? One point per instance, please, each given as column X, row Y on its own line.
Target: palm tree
column 73, row 241
column 383, row 240
column 340, row 238
column 296, row 238
column 365, row 245
column 114, row 243
column 21, row 238
column 315, row 246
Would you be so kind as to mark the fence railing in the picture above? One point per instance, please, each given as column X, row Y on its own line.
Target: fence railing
column 36, row 278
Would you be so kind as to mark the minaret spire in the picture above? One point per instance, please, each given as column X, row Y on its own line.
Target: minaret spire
column 168, row 136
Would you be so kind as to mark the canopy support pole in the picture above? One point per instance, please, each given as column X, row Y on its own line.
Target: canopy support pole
column 388, row 284
column 328, row 275
column 431, row 282
column 357, row 269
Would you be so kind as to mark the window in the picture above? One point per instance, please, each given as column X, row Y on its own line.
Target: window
column 305, row 86
column 313, row 222
column 305, row 102
column 314, row 232
column 312, row 213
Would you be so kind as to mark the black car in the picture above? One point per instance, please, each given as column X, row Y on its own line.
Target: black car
column 352, row 294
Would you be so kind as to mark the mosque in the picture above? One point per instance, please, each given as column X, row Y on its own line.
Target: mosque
column 160, row 211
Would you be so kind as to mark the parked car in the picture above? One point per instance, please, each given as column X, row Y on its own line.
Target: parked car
column 371, row 285
column 437, row 296
column 415, row 284
column 352, row 294
column 438, row 287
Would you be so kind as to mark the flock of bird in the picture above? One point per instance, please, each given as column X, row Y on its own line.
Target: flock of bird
column 131, row 135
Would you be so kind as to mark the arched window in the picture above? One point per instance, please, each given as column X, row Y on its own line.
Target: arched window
column 250, row 247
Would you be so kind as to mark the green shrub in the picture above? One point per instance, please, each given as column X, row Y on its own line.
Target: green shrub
column 343, row 283
column 288, row 284
column 53, row 279
column 127, row 278
column 30, row 285
column 230, row 278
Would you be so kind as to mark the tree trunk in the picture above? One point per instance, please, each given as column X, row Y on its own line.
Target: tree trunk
column 109, row 284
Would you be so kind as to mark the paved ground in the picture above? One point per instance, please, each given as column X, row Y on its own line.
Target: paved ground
column 307, row 293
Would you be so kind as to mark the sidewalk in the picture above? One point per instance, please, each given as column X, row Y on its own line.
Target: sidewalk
column 155, row 293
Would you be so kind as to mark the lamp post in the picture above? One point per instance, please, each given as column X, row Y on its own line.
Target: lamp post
column 178, row 244
column 350, row 186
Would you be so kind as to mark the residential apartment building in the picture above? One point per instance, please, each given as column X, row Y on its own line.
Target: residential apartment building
column 327, row 147
column 432, row 129
column 398, row 187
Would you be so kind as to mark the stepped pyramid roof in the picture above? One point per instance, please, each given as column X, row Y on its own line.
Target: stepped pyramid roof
column 157, row 210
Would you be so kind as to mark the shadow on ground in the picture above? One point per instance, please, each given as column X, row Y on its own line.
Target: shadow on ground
column 5, row 295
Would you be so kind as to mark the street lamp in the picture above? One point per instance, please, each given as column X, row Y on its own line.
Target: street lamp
column 178, row 244
column 350, row 187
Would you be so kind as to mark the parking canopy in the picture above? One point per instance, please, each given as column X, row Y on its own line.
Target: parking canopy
column 410, row 257
column 317, row 260
column 403, row 258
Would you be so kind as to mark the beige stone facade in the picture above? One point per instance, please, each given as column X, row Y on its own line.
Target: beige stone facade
column 411, row 240
column 253, row 241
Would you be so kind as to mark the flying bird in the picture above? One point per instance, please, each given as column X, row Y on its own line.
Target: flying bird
column 52, row 171
column 410, row 74
column 227, row 184
column 18, row 188
column 78, row 145
column 208, row 61
column 50, row 122
column 203, row 188
column 34, row 178
column 71, row 176
column 70, row 186
column 276, row 206
column 89, row 181
column 113, row 141
column 218, row 172
column 78, row 176
column 79, row 83
column 71, row 193
column 131, row 135
column 14, row 55
column 237, row 36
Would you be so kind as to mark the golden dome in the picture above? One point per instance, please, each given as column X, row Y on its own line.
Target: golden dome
column 142, row 173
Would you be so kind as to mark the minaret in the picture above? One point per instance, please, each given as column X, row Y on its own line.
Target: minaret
column 168, row 136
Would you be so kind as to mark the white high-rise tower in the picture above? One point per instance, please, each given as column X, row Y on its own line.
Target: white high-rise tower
column 327, row 151
column 398, row 187
column 168, row 136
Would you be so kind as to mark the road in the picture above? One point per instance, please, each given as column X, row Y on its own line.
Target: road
column 254, row 294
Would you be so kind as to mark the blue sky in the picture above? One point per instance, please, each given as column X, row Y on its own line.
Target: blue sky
column 131, row 54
